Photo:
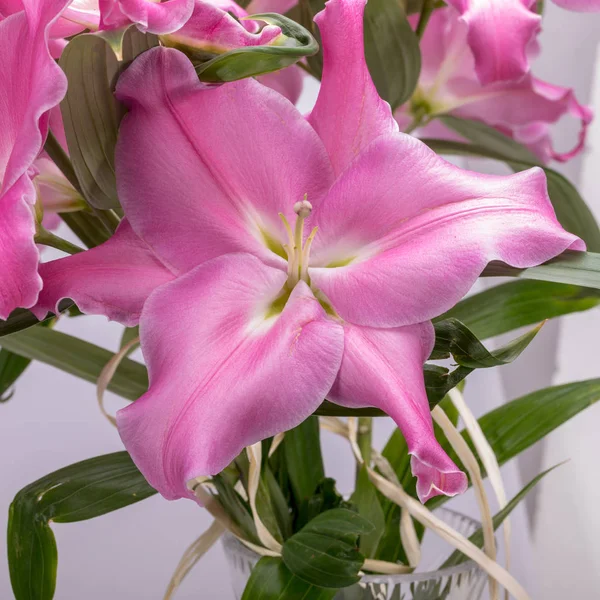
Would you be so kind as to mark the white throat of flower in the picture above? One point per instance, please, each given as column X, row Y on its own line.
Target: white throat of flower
column 298, row 253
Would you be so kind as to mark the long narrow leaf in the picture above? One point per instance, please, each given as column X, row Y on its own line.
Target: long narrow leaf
column 77, row 357
column 79, row 492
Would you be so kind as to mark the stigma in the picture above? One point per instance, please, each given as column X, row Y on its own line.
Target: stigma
column 298, row 251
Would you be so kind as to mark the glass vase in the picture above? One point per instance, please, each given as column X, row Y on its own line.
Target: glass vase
column 462, row 582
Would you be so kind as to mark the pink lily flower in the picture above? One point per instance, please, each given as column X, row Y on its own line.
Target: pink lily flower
column 273, row 261
column 23, row 127
column 524, row 110
column 502, row 34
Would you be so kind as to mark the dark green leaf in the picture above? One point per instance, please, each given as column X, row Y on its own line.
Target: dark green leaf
column 325, row 498
column 304, row 13
column 272, row 580
column 135, row 43
column 513, row 427
column 457, row 557
column 128, row 336
column 571, row 210
column 391, row 51
column 91, row 116
column 12, row 367
column 78, row 358
column 490, row 138
column 518, row 304
column 302, row 449
column 255, row 60
column 87, row 227
column 325, row 551
column 454, row 338
column 277, row 502
column 577, row 268
column 81, row 491
column 366, row 500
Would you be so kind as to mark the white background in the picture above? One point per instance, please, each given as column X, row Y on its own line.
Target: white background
column 53, row 421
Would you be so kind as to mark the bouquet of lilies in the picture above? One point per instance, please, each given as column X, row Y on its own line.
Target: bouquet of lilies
column 287, row 273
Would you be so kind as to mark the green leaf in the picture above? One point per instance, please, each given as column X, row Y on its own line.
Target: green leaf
column 513, row 427
column 457, row 557
column 454, row 338
column 250, row 61
column 576, row 268
column 78, row 358
column 325, row 551
column 571, row 210
column 366, row 500
column 81, row 491
column 302, row 449
column 490, row 138
column 391, row 51
column 304, row 13
column 135, row 43
column 325, row 498
column 21, row 318
column 12, row 367
column 518, row 304
column 91, row 116
column 128, row 336
column 272, row 580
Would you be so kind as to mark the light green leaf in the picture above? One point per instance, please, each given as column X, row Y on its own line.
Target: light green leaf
column 513, row 427
column 297, row 43
column 366, row 500
column 302, row 450
column 457, row 557
column 81, row 491
column 91, row 116
column 391, row 51
column 79, row 358
column 576, row 268
column 272, row 580
column 518, row 304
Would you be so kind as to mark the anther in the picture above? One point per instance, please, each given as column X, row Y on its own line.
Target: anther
column 303, row 208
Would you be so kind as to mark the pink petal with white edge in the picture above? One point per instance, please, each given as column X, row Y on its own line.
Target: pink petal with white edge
column 222, row 376
column 501, row 34
column 288, row 82
column 407, row 233
column 384, row 368
column 579, row 5
column 349, row 113
column 20, row 282
column 149, row 16
column 113, row 279
column 214, row 30
column 213, row 166
column 42, row 85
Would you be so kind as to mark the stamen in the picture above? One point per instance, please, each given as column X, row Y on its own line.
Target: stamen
column 297, row 252
column 306, row 254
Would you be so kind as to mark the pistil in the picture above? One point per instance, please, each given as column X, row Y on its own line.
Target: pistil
column 297, row 252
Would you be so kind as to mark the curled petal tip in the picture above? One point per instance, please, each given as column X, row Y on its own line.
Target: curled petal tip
column 432, row 481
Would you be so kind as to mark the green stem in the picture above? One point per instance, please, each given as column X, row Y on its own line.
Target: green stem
column 426, row 10
column 43, row 236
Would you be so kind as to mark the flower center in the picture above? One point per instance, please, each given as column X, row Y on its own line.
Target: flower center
column 298, row 252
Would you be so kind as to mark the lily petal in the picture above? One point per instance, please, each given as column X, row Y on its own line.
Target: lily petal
column 214, row 30
column 222, row 376
column 406, row 234
column 183, row 163
column 501, row 34
column 526, row 110
column 113, row 279
column 384, row 368
column 288, row 82
column 579, row 5
column 18, row 253
column 349, row 113
column 42, row 85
